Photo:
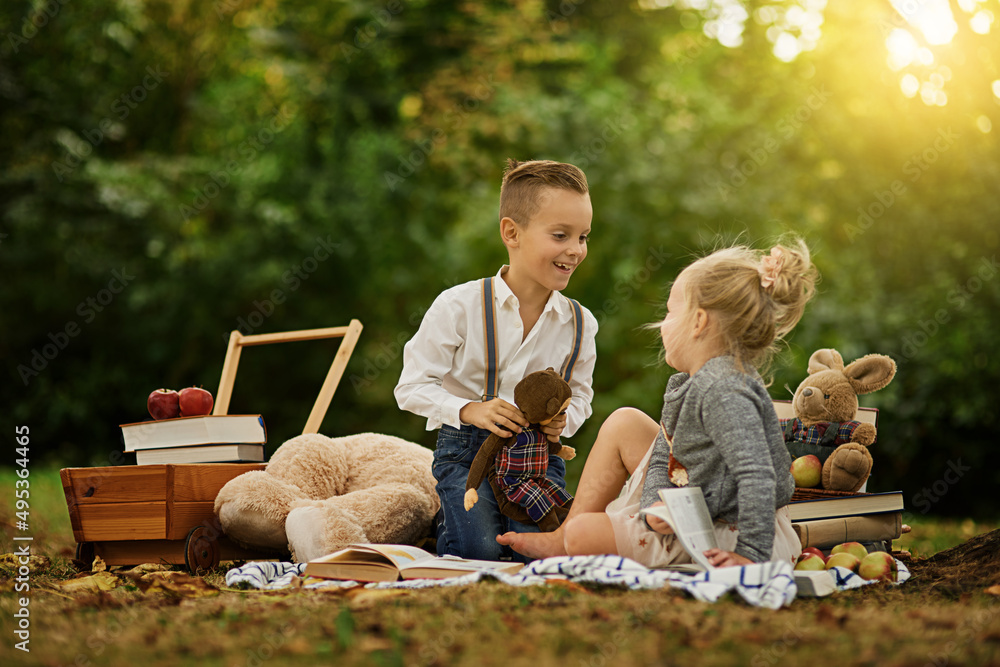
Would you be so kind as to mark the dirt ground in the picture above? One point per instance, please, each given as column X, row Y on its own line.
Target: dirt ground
column 947, row 614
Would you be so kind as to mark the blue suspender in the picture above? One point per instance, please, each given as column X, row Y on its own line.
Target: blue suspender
column 567, row 371
column 490, row 337
column 490, row 332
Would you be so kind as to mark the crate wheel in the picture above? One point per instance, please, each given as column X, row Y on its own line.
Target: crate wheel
column 85, row 553
column 200, row 552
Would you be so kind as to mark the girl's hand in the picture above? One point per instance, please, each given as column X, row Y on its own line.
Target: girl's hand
column 555, row 427
column 658, row 524
column 720, row 558
column 494, row 416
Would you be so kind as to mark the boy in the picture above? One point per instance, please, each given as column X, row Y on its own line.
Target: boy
column 460, row 372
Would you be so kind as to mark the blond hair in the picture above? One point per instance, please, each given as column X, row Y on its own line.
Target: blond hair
column 524, row 183
column 756, row 297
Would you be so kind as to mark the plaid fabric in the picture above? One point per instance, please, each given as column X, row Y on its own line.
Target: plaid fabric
column 521, row 475
column 814, row 435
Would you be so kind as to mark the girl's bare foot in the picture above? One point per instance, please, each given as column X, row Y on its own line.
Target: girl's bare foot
column 535, row 545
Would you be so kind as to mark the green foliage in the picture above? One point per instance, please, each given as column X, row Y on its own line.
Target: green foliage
column 172, row 172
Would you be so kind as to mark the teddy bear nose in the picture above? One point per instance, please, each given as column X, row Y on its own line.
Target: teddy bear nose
column 807, row 392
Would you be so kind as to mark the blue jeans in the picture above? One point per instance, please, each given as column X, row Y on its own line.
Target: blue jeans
column 473, row 534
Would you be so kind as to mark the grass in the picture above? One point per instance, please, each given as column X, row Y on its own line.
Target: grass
column 483, row 624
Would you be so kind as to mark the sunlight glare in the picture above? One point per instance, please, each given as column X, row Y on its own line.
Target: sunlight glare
column 984, row 124
column 996, row 88
column 786, row 47
column 932, row 17
column 902, row 48
column 981, row 22
column 909, row 84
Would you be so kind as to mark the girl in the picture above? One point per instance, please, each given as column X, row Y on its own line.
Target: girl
column 718, row 429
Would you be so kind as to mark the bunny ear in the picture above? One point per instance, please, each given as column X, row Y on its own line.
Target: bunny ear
column 827, row 359
column 870, row 373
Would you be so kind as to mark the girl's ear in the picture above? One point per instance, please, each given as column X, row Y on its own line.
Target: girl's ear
column 510, row 232
column 701, row 322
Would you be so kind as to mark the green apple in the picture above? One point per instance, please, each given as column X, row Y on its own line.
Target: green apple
column 878, row 565
column 810, row 562
column 807, row 471
column 843, row 559
column 854, row 548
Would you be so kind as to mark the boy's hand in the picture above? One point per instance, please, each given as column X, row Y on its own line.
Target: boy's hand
column 554, row 428
column 494, row 416
column 658, row 524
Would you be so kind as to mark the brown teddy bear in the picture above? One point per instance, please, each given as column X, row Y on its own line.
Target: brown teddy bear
column 320, row 494
column 825, row 404
column 516, row 466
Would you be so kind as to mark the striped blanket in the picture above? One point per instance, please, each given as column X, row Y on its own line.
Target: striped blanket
column 767, row 585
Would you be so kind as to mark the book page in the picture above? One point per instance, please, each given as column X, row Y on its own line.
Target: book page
column 686, row 512
column 401, row 555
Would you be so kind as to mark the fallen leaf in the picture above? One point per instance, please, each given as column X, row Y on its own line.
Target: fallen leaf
column 98, row 565
column 146, row 568
column 94, row 583
column 993, row 590
column 174, row 584
column 34, row 563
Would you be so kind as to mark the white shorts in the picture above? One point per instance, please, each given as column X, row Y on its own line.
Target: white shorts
column 636, row 541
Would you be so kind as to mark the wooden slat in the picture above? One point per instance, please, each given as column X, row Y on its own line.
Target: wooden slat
column 333, row 378
column 183, row 516
column 123, row 521
column 114, row 484
column 292, row 336
column 238, row 341
column 71, row 504
column 202, row 481
column 170, row 552
column 232, row 361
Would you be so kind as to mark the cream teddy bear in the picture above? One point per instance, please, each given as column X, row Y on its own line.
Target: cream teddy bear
column 320, row 494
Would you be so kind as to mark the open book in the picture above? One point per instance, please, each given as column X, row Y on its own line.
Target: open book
column 390, row 562
column 685, row 510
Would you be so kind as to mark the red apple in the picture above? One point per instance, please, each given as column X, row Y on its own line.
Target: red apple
column 164, row 404
column 814, row 551
column 856, row 549
column 878, row 565
column 843, row 559
column 807, row 471
column 195, row 401
column 810, row 562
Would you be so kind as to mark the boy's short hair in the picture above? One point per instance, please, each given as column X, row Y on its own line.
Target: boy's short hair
column 523, row 183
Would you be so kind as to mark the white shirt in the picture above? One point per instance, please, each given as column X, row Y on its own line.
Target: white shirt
column 444, row 364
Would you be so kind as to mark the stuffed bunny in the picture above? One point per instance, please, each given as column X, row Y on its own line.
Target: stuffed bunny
column 825, row 404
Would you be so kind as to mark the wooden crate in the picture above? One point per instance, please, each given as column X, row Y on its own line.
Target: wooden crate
column 151, row 513
column 165, row 513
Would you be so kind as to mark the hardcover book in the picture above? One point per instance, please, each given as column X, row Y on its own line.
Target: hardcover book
column 391, row 562
column 188, row 431
column 843, row 506
column 201, row 454
column 824, row 533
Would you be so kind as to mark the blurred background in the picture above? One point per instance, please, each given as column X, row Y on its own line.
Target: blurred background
column 172, row 171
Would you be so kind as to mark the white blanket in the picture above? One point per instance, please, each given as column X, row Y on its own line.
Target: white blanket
column 768, row 585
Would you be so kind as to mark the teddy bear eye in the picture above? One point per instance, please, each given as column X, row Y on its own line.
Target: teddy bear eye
column 826, row 395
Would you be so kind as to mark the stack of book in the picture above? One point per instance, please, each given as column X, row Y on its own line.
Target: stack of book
column 824, row 522
column 204, row 439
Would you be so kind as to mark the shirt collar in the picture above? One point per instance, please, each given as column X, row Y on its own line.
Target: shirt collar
column 556, row 302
